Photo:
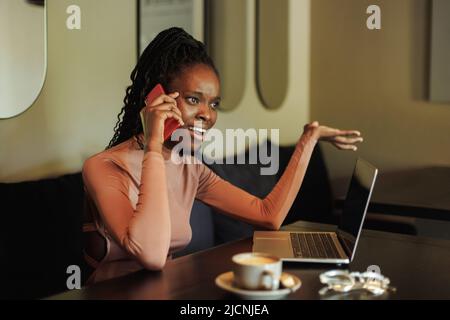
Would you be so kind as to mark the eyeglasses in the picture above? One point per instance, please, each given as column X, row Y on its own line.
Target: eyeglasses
column 342, row 281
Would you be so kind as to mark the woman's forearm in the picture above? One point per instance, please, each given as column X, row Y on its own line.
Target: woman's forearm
column 149, row 230
column 269, row 212
column 275, row 206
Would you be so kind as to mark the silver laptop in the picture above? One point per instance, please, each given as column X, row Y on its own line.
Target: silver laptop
column 326, row 247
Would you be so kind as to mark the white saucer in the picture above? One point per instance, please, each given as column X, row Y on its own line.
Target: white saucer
column 225, row 281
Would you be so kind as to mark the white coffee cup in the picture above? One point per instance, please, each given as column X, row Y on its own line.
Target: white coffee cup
column 257, row 271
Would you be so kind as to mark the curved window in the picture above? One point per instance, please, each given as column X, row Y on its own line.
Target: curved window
column 157, row 15
column 23, row 59
column 272, row 27
column 226, row 39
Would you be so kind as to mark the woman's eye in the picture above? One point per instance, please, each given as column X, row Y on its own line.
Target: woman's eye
column 215, row 105
column 192, row 100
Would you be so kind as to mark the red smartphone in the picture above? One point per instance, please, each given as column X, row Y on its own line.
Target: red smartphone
column 171, row 124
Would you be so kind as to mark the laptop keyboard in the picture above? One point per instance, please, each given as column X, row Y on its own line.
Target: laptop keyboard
column 313, row 245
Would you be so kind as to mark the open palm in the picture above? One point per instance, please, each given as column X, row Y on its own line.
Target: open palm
column 341, row 139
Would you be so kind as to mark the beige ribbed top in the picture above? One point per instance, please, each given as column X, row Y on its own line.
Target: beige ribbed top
column 141, row 202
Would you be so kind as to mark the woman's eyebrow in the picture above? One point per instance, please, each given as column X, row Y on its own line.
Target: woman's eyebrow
column 201, row 94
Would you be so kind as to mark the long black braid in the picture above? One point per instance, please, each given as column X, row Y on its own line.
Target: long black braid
column 168, row 54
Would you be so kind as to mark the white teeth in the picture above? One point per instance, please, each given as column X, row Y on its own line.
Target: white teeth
column 197, row 129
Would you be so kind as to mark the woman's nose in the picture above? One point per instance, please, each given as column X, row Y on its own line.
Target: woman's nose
column 204, row 113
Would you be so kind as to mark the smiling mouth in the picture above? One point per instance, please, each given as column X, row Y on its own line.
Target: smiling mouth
column 197, row 133
column 197, row 130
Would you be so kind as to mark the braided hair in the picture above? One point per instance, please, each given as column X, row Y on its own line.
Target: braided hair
column 172, row 51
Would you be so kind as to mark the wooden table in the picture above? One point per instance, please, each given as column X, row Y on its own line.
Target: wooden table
column 418, row 267
column 421, row 193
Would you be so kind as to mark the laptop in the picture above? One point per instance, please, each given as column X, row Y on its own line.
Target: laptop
column 326, row 247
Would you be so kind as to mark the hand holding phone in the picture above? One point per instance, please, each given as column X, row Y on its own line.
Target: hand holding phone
column 171, row 124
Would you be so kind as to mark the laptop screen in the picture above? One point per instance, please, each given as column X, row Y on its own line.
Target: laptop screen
column 355, row 205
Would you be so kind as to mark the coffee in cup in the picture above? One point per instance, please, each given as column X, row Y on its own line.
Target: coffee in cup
column 257, row 271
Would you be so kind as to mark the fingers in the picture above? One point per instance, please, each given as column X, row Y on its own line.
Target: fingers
column 346, row 143
column 165, row 110
column 341, row 136
column 169, row 98
column 172, row 114
column 341, row 139
column 349, row 133
column 346, row 140
column 174, row 95
column 169, row 106
column 341, row 146
column 165, row 107
column 165, row 98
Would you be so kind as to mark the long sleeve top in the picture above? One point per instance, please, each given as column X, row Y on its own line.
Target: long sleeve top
column 140, row 202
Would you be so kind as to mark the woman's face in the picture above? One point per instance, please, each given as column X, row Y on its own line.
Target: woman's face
column 199, row 97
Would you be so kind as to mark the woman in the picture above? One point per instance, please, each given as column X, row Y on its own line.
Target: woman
column 138, row 200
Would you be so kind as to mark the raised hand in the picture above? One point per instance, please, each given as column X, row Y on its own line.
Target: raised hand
column 154, row 116
column 341, row 139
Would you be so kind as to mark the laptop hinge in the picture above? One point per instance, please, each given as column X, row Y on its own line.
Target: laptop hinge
column 344, row 246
